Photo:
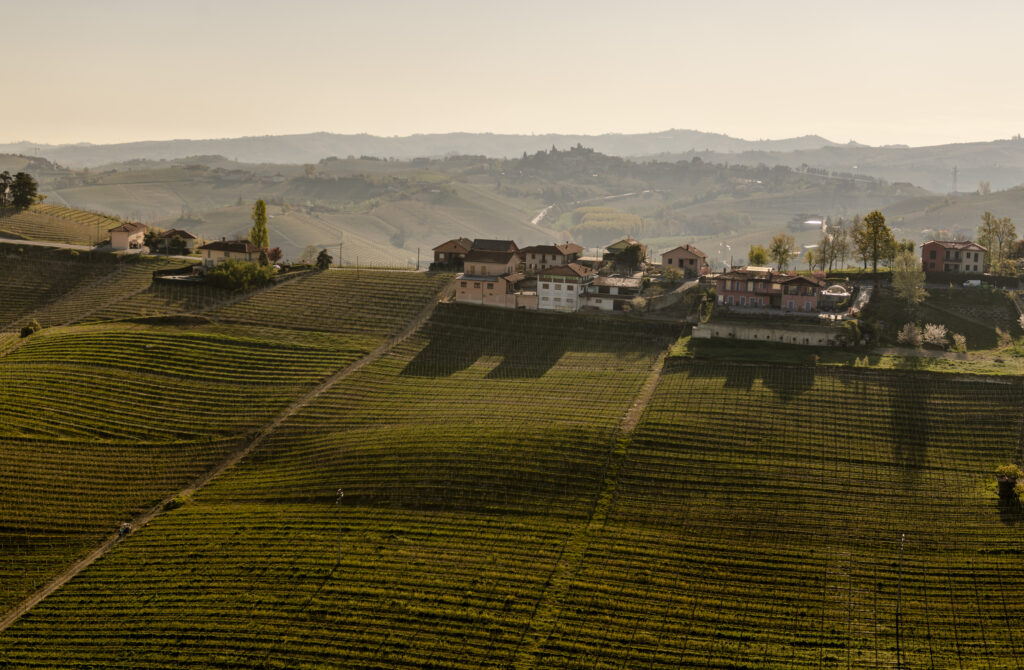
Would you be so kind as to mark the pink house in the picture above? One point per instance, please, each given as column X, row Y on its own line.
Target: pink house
column 758, row 287
column 500, row 291
column 939, row 256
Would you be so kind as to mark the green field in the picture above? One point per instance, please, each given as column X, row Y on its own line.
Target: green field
column 496, row 515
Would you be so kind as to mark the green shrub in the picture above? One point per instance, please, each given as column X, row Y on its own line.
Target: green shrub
column 239, row 275
column 175, row 503
column 32, row 327
column 1010, row 470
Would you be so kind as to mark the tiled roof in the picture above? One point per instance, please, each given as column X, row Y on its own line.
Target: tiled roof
column 687, row 247
column 494, row 245
column 548, row 249
column 459, row 243
column 175, row 232
column 961, row 246
column 480, row 256
column 128, row 227
column 570, row 270
column 770, row 275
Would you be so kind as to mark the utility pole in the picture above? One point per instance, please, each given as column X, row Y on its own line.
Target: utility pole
column 417, row 259
column 341, row 244
column 899, row 603
column 954, row 180
column 341, row 494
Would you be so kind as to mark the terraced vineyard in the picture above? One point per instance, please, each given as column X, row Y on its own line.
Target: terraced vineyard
column 87, row 302
column 53, row 223
column 31, row 280
column 758, row 518
column 335, row 301
column 98, row 422
column 466, row 471
column 494, row 515
column 161, row 299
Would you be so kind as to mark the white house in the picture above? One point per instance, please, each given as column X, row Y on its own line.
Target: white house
column 129, row 235
column 562, row 288
column 610, row 293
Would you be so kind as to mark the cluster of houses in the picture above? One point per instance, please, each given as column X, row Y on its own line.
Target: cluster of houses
column 131, row 235
column 555, row 277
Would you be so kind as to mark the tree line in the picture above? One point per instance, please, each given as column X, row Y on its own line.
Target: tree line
column 19, row 191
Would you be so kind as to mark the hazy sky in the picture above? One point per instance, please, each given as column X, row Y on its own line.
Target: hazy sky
column 878, row 72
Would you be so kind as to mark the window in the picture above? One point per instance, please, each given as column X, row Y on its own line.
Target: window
column 598, row 301
column 743, row 301
column 932, row 254
column 490, row 284
column 440, row 256
column 476, row 284
column 669, row 260
column 690, row 261
column 544, row 286
column 463, row 284
column 545, row 298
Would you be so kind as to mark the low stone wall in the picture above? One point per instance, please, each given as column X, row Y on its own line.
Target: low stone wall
column 812, row 336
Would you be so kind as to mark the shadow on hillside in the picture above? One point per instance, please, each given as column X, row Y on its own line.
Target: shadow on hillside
column 787, row 381
column 909, row 423
column 1009, row 511
column 529, row 345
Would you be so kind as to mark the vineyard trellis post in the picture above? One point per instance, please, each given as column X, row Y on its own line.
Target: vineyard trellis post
column 341, row 494
column 899, row 602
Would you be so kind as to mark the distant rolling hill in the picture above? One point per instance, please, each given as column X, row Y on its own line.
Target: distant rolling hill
column 1001, row 162
column 382, row 212
column 312, row 147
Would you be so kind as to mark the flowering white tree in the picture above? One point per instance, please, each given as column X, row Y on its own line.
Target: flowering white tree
column 935, row 334
column 910, row 334
column 959, row 343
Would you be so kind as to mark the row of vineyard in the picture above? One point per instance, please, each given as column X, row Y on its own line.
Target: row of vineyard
column 758, row 518
column 342, row 301
column 53, row 223
column 466, row 469
column 27, row 283
column 493, row 515
column 102, row 420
